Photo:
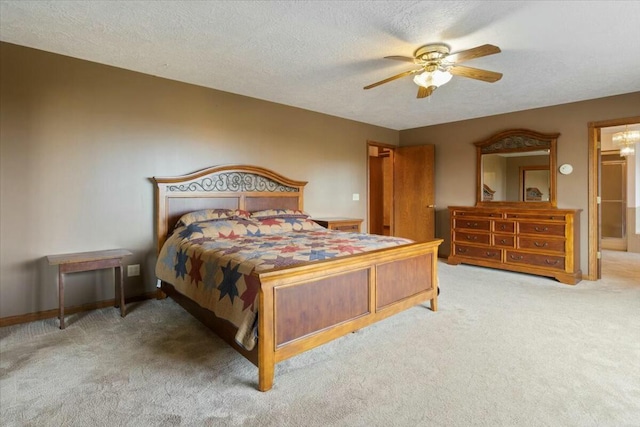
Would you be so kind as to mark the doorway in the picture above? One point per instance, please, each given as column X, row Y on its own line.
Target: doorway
column 613, row 187
column 400, row 193
column 596, row 130
column 380, row 198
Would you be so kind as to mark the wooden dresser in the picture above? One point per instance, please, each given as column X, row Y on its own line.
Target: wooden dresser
column 545, row 242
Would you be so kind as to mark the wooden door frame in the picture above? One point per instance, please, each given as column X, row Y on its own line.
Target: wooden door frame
column 391, row 147
column 594, row 190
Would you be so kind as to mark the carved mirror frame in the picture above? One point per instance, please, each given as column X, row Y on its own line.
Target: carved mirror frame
column 514, row 141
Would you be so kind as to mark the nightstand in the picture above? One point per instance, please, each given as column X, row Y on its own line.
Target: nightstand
column 340, row 223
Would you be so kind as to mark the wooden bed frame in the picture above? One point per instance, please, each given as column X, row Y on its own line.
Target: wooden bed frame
column 309, row 304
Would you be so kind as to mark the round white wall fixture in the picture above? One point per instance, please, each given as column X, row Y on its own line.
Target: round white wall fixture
column 566, row 169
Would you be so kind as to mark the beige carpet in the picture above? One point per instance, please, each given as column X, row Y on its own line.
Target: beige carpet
column 505, row 349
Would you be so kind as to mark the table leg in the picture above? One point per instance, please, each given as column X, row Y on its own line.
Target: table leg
column 116, row 287
column 61, row 298
column 119, row 291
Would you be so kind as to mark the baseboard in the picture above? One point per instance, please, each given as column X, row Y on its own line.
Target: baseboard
column 47, row 314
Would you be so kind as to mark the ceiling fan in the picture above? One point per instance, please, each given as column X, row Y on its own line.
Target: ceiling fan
column 437, row 66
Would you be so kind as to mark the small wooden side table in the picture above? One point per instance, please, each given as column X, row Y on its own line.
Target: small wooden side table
column 340, row 223
column 89, row 261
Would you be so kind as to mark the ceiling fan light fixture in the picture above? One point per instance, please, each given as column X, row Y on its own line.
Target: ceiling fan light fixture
column 435, row 78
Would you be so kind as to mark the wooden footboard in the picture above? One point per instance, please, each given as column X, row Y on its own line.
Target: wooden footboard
column 306, row 306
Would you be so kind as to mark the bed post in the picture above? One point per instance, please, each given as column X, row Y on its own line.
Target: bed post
column 434, row 279
column 160, row 200
column 266, row 340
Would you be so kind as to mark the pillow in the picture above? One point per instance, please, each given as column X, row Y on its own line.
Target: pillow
column 219, row 229
column 279, row 213
column 211, row 215
column 282, row 225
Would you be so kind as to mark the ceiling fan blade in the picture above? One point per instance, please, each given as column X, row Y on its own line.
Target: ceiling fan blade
column 423, row 92
column 401, row 58
column 387, row 80
column 475, row 73
column 476, row 52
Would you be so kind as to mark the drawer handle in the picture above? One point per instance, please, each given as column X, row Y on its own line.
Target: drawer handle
column 469, row 237
column 552, row 262
column 541, row 229
column 491, row 254
column 517, row 257
column 475, row 224
column 503, row 241
column 543, row 245
column 462, row 250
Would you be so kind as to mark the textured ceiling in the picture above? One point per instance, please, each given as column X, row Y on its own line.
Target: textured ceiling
column 318, row 55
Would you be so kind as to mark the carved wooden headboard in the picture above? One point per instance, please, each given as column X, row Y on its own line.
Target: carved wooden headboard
column 245, row 187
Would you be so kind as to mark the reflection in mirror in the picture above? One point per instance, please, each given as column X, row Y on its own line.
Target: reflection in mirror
column 509, row 174
column 534, row 183
column 517, row 167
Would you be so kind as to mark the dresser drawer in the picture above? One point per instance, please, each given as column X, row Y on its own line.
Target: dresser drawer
column 353, row 228
column 504, row 240
column 541, row 243
column 538, row 260
column 544, row 217
column 477, row 214
column 541, row 228
column 469, row 237
column 478, row 252
column 504, row 226
column 472, row 224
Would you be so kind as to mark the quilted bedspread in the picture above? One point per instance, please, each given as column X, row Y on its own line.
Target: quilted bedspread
column 212, row 262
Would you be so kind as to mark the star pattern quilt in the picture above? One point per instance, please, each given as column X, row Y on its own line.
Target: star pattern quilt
column 212, row 262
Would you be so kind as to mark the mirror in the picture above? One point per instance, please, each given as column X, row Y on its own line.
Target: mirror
column 517, row 168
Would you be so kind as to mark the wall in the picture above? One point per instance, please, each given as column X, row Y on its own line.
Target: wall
column 456, row 156
column 79, row 142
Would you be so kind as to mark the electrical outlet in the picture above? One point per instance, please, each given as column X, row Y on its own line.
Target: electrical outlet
column 133, row 270
column 356, row 197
